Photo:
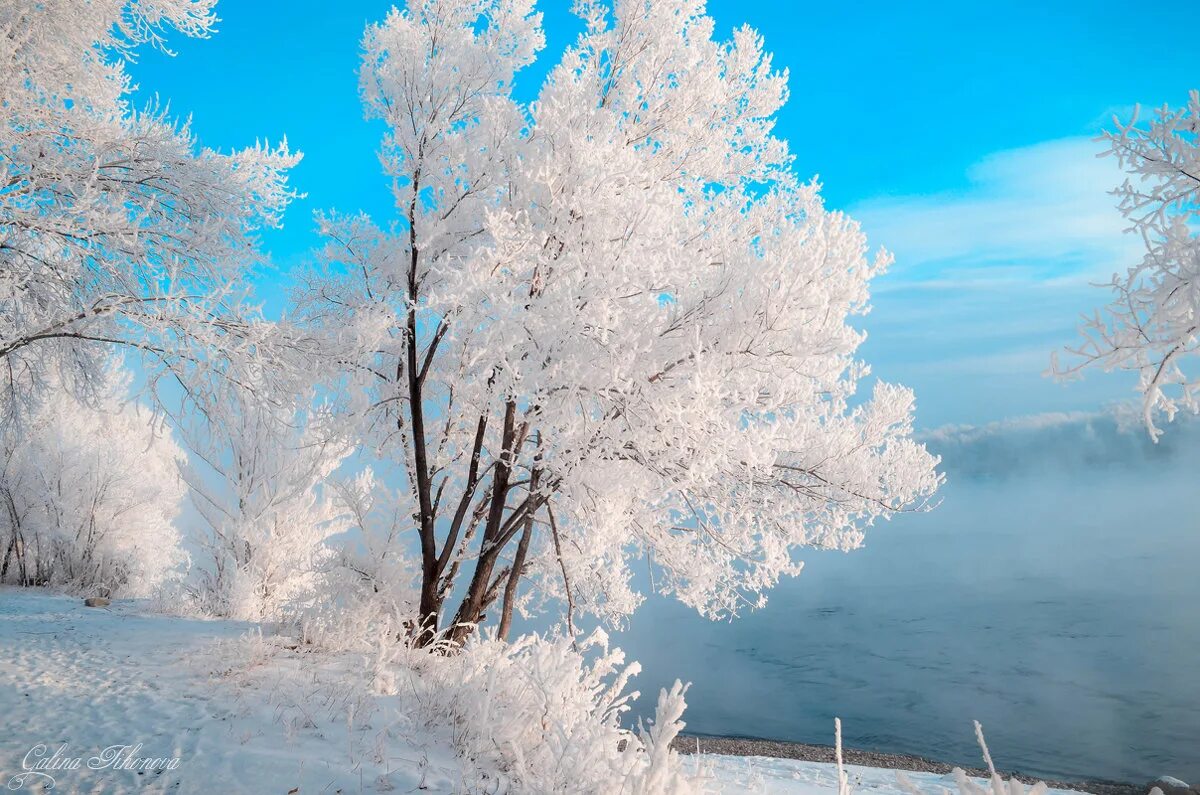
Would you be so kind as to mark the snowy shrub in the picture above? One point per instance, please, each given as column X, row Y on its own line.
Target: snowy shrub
column 538, row 715
column 541, row 712
column 89, row 495
column 352, row 608
column 371, row 583
column 257, row 479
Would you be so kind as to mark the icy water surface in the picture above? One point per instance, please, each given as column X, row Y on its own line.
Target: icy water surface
column 1053, row 597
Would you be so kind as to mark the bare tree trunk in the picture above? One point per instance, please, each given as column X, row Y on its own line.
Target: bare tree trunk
column 471, row 610
column 7, row 557
column 22, row 573
column 430, row 604
column 518, row 566
column 446, row 571
column 562, row 564
column 17, row 546
column 39, row 578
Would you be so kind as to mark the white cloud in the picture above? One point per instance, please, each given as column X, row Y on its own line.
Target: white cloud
column 1028, row 215
column 991, row 278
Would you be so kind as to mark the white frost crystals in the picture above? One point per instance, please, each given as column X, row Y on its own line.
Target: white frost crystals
column 119, row 236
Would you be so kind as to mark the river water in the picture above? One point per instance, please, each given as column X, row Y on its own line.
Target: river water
column 1053, row 596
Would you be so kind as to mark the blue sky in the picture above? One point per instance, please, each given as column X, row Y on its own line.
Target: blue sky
column 959, row 133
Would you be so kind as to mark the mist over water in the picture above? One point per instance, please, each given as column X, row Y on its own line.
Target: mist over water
column 1053, row 596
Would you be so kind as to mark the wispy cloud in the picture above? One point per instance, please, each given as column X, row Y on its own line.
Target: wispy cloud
column 992, row 277
column 1035, row 214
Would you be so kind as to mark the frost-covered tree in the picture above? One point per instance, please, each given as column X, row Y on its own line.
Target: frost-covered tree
column 115, row 227
column 1151, row 325
column 258, row 480
column 609, row 326
column 89, row 495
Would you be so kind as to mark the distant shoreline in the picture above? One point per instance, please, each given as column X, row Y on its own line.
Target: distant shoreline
column 748, row 746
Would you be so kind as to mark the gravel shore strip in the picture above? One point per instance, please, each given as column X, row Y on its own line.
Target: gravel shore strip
column 740, row 746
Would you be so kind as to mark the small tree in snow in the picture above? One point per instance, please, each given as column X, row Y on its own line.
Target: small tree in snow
column 610, row 325
column 373, row 582
column 1151, row 325
column 115, row 229
column 257, row 478
column 89, row 496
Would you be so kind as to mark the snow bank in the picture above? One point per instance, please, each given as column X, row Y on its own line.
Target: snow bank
column 242, row 711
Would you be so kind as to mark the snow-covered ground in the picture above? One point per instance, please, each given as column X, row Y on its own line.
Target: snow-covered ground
column 218, row 711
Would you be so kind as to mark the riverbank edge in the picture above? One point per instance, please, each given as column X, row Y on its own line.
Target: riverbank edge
column 778, row 749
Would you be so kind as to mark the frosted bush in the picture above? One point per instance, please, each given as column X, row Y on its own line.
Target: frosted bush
column 90, row 494
column 371, row 583
column 258, row 482
column 354, row 608
column 547, row 716
column 997, row 785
